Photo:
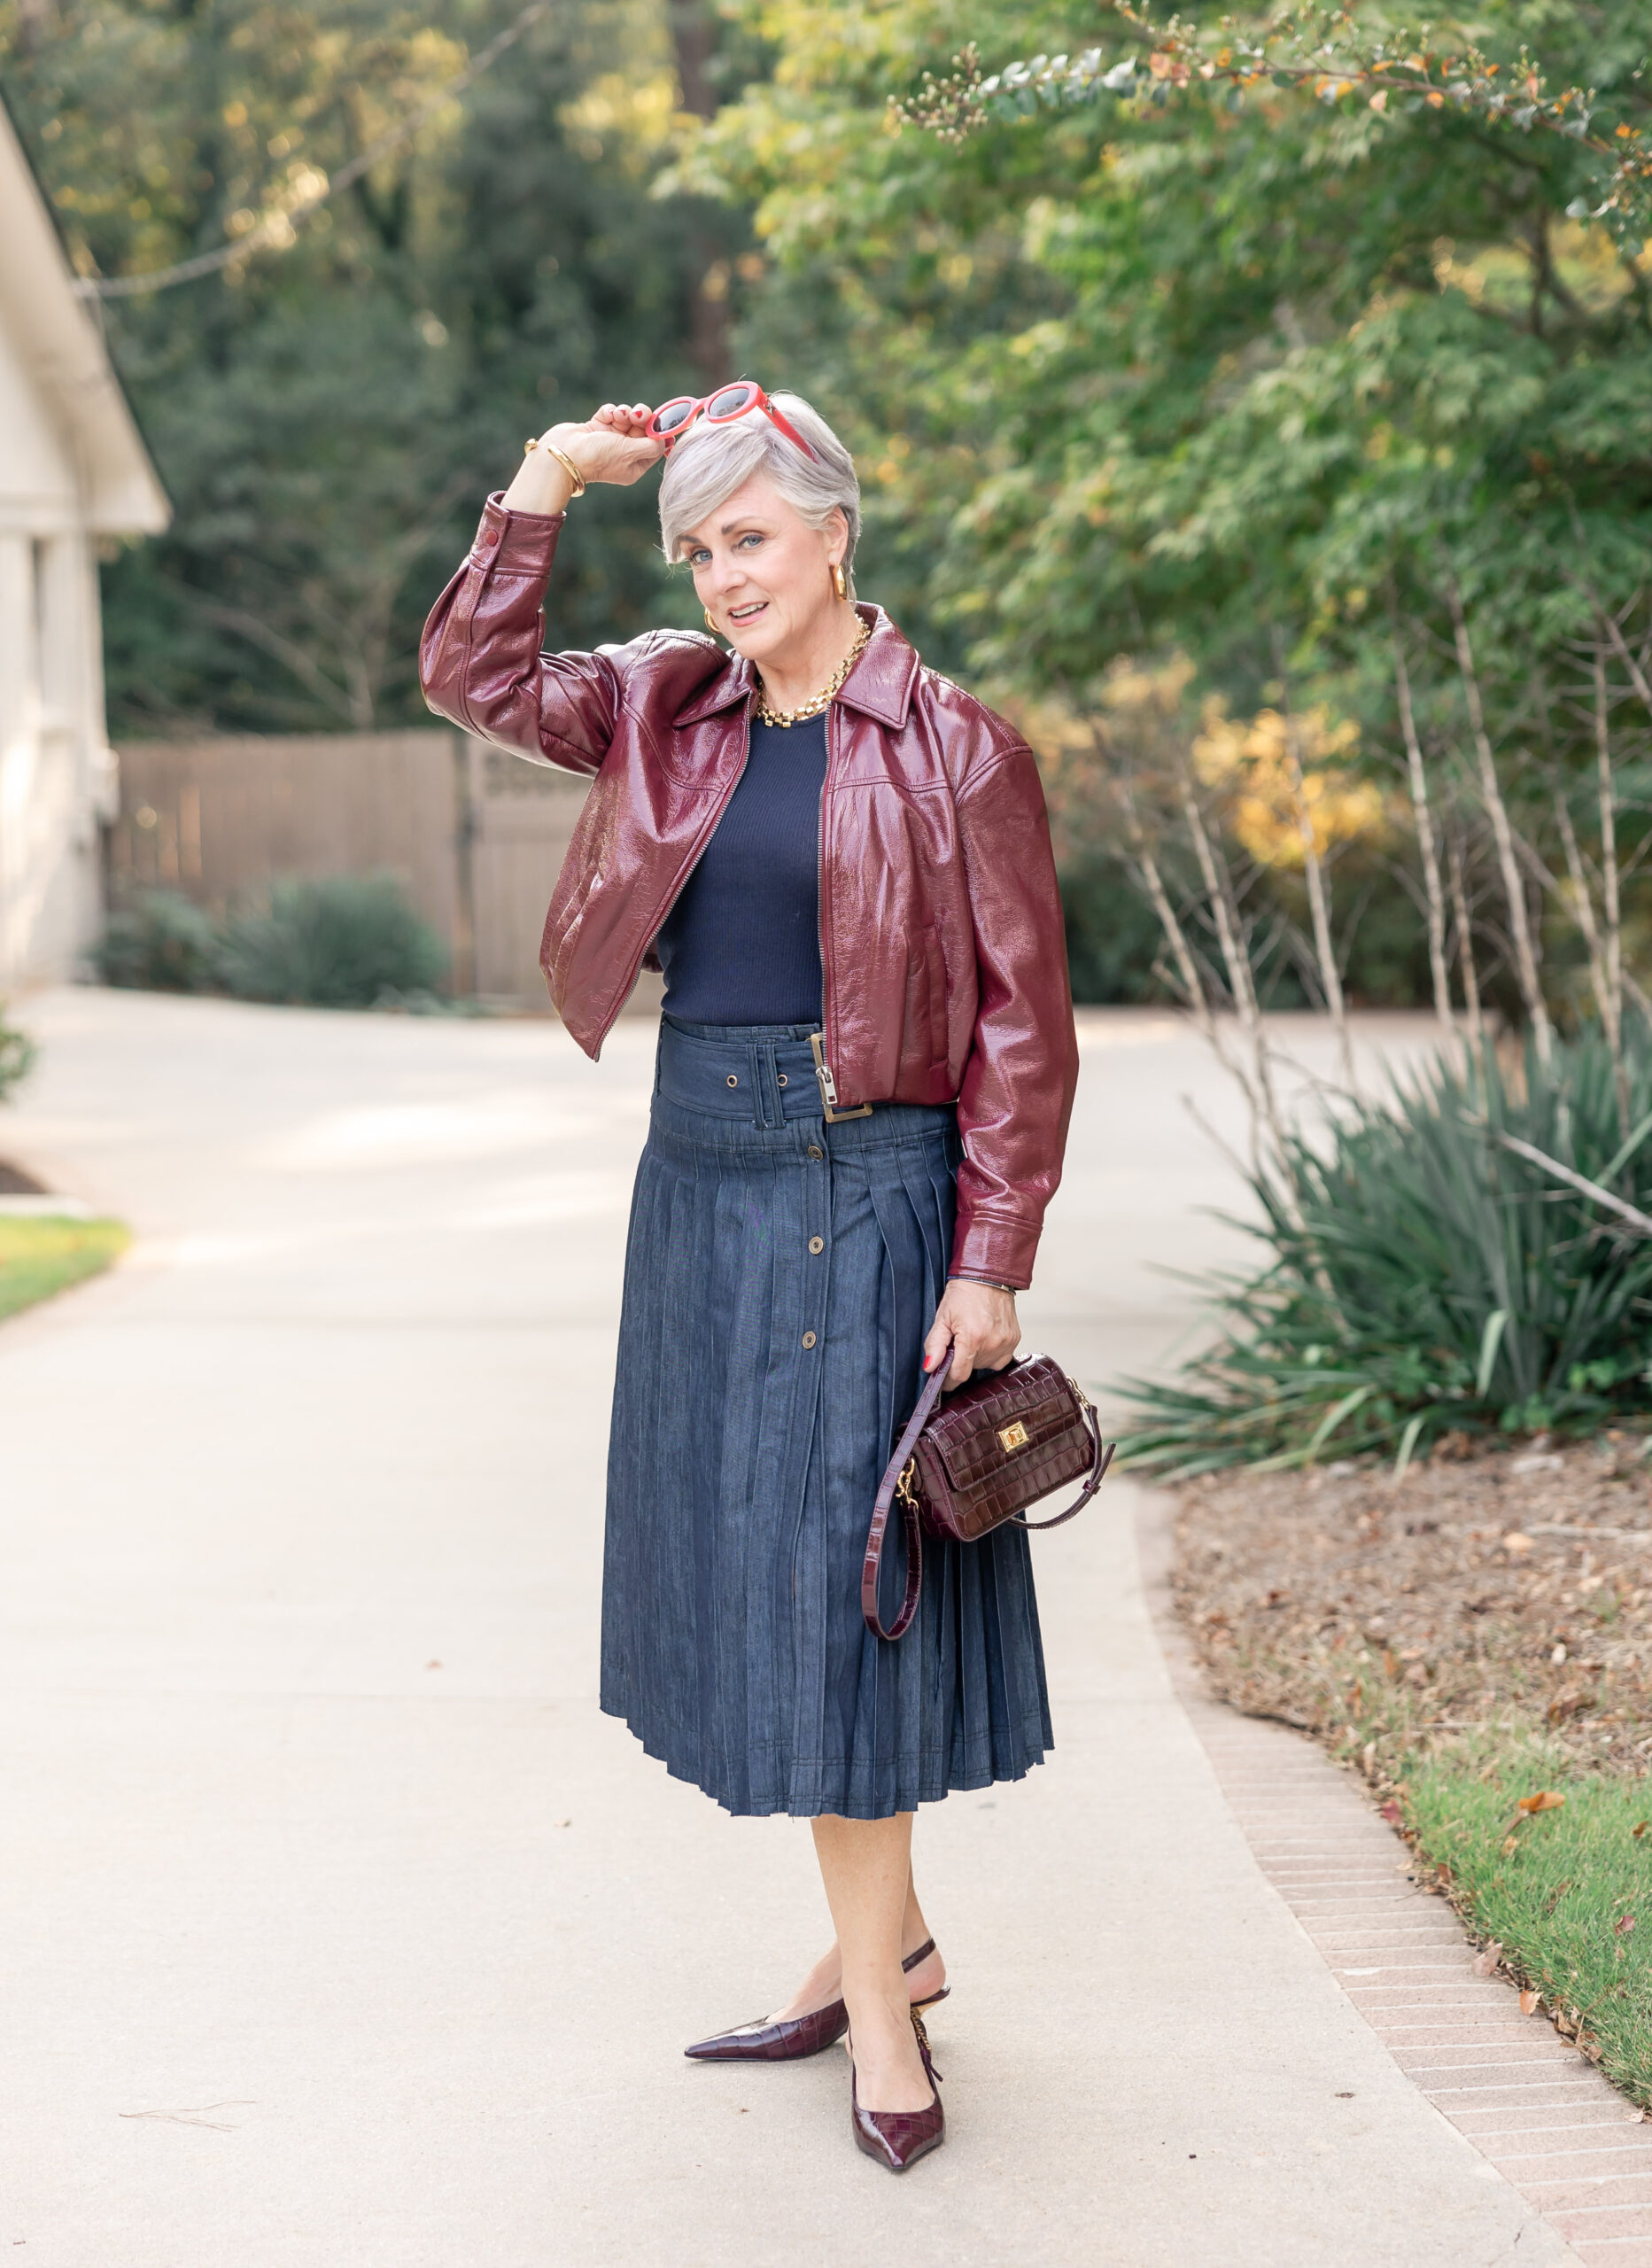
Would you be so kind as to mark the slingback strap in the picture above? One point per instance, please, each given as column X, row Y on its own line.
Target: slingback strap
column 873, row 1560
column 930, row 2072
column 922, row 1954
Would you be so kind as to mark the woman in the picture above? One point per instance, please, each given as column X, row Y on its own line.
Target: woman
column 841, row 863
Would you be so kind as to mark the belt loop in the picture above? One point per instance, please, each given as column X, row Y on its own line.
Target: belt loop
column 773, row 1114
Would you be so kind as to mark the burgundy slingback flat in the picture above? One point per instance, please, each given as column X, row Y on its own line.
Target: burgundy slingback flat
column 787, row 2039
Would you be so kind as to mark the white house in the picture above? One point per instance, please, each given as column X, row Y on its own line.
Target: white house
column 74, row 473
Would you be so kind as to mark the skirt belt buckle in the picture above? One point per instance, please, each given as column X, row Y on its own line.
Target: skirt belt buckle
column 828, row 1085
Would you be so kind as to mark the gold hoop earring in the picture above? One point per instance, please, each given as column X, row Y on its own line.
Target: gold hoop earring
column 840, row 580
column 707, row 612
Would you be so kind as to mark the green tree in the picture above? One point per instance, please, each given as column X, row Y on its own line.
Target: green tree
column 327, row 416
column 1251, row 372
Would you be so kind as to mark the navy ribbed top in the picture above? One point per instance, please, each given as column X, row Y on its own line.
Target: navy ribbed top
column 741, row 945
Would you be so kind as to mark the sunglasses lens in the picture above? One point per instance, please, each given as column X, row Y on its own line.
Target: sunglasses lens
column 732, row 399
column 674, row 416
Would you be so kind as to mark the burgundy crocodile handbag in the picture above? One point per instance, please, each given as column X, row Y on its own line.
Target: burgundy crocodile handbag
column 1001, row 1442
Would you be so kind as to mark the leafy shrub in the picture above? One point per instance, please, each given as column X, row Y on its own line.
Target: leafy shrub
column 16, row 1056
column 1428, row 1279
column 338, row 942
column 159, row 942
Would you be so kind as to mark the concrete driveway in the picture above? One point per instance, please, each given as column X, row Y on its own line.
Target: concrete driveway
column 339, row 1927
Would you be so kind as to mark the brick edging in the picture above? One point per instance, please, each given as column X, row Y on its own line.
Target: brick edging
column 1535, row 2109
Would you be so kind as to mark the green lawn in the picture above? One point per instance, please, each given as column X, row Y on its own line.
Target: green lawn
column 41, row 1255
column 1566, row 1891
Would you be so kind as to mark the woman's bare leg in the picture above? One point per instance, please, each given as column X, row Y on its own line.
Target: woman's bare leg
column 824, row 1980
column 866, row 1865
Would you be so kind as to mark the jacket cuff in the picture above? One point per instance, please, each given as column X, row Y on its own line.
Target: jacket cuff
column 522, row 543
column 1002, row 1251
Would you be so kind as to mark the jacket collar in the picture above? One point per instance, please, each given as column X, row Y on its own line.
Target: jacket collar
column 879, row 684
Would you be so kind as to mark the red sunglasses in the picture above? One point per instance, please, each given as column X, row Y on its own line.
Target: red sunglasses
column 671, row 420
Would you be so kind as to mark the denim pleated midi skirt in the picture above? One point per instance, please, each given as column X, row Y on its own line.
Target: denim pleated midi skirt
column 781, row 1276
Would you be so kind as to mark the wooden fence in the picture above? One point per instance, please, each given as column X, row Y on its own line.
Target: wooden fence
column 475, row 836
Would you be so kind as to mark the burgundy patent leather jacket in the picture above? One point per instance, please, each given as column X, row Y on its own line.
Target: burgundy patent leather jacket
column 940, row 930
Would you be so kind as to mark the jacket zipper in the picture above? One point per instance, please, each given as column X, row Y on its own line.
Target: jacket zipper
column 682, row 883
column 828, row 1083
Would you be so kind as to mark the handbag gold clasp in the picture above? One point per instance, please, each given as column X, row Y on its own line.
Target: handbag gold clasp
column 1013, row 1437
column 828, row 1085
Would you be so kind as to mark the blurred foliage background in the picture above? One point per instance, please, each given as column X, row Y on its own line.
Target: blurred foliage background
column 1236, row 393
column 327, row 416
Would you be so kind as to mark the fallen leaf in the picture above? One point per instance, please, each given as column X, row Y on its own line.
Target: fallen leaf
column 1515, row 1542
column 1530, row 2003
column 199, row 2115
column 1487, row 1959
column 1511, row 1843
column 1545, row 1799
column 1640, row 1828
column 1391, row 1813
column 1391, row 1661
column 1623, row 1925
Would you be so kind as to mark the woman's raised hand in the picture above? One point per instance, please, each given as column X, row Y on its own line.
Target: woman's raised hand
column 609, row 447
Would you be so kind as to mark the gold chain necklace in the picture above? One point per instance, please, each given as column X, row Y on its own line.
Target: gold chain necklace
column 818, row 701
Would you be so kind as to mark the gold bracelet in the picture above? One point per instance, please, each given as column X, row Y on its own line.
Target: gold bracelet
column 537, row 441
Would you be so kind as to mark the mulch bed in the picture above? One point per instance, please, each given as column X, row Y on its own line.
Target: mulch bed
column 1489, row 1583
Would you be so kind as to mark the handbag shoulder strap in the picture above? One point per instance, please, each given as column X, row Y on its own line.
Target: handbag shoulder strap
column 1101, row 1458
column 872, row 1565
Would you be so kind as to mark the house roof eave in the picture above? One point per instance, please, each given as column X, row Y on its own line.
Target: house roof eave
column 61, row 345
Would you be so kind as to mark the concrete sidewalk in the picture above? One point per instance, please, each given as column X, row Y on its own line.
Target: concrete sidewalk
column 341, row 1928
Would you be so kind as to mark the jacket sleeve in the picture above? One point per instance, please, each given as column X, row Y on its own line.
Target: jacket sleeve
column 1023, row 1071
column 480, row 659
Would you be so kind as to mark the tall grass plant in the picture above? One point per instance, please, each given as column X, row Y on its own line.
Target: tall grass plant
column 1472, row 1255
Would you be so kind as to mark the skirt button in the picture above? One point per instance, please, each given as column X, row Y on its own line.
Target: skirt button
column 816, row 1244
column 815, row 1150
column 809, row 1338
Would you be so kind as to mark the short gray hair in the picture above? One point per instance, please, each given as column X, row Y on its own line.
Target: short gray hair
column 711, row 461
